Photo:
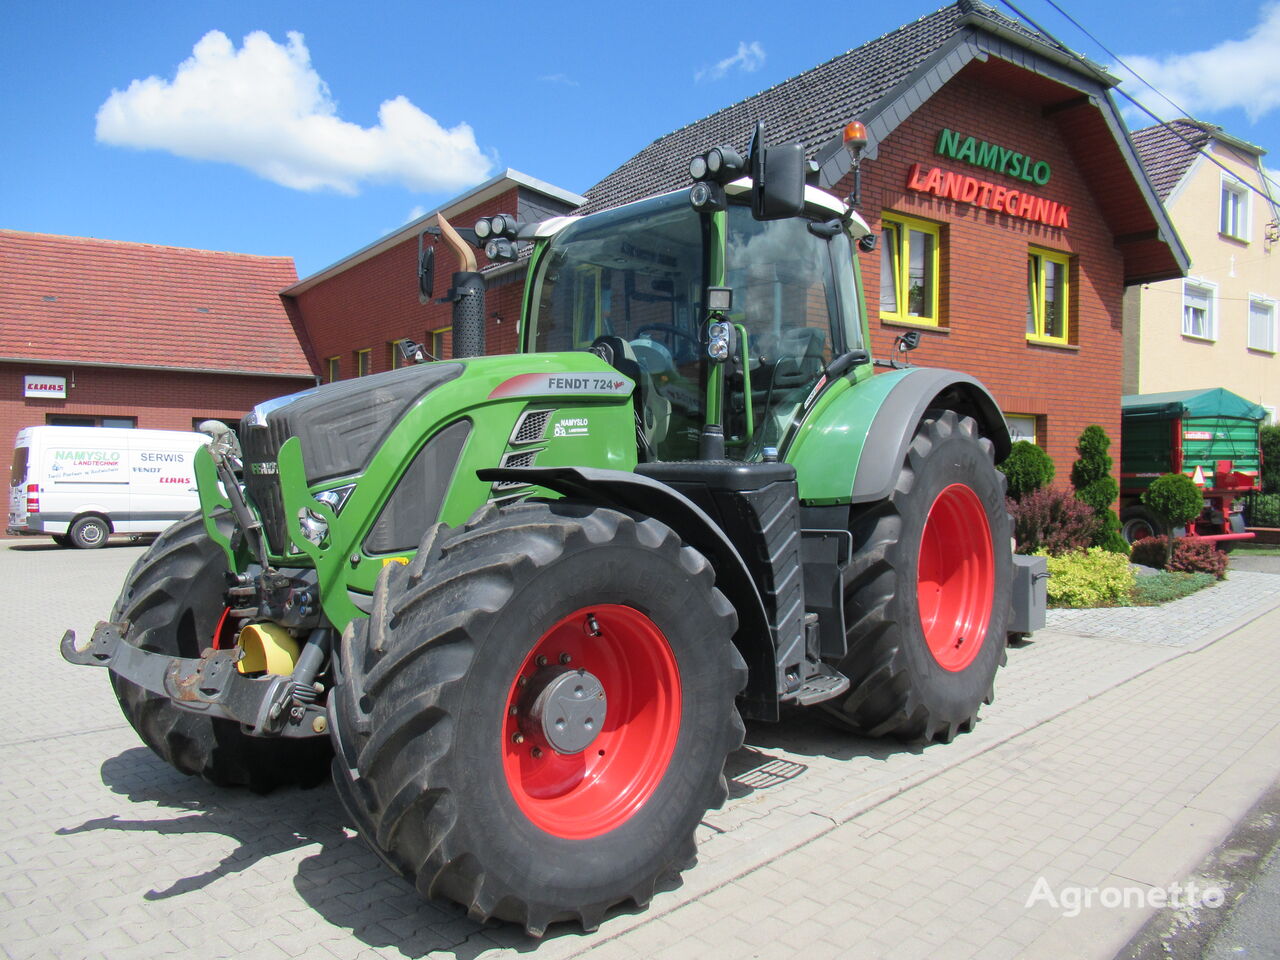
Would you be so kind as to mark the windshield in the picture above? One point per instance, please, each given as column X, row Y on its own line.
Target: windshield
column 633, row 280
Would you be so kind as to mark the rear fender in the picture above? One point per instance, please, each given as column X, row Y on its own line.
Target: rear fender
column 636, row 494
column 850, row 449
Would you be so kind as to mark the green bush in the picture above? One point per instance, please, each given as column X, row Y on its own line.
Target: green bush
column 1269, row 440
column 1091, row 477
column 1175, row 499
column 1263, row 510
column 1027, row 468
column 1092, row 578
column 1165, row 586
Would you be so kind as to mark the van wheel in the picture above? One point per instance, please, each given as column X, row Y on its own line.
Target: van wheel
column 88, row 533
column 61, row 539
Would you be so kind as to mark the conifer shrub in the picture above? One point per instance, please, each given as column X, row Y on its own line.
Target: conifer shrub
column 1091, row 477
column 1027, row 468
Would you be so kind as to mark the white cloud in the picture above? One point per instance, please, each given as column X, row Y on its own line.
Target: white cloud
column 748, row 59
column 418, row 211
column 1235, row 73
column 264, row 107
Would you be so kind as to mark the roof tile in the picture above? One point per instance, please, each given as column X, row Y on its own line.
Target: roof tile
column 111, row 302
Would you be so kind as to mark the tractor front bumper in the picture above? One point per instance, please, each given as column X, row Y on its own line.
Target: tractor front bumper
column 267, row 706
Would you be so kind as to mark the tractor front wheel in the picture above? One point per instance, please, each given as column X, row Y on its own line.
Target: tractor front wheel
column 927, row 597
column 537, row 713
column 173, row 602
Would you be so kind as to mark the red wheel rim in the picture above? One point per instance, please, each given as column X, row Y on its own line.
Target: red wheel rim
column 955, row 581
column 599, row 788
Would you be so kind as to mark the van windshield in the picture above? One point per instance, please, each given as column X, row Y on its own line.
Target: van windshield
column 18, row 473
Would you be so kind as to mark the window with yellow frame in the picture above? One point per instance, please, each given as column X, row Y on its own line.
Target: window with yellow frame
column 362, row 363
column 909, row 262
column 1048, row 296
column 333, row 369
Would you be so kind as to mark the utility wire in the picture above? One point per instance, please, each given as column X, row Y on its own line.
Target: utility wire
column 1160, row 93
column 1143, row 107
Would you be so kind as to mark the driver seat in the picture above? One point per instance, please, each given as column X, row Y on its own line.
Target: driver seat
column 652, row 409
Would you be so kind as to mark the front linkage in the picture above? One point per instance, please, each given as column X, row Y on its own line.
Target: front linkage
column 267, row 706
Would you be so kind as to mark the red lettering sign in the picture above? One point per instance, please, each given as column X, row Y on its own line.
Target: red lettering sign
column 989, row 196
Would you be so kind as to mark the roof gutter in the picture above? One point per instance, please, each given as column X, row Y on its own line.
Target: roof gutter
column 159, row 369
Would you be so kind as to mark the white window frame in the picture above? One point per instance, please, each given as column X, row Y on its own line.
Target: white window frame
column 1211, row 320
column 1270, row 304
column 1236, row 187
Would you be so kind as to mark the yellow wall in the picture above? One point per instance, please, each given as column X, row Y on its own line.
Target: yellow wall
column 1158, row 356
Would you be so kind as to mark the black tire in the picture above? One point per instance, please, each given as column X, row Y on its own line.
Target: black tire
column 1138, row 523
column 425, row 714
column 173, row 601
column 61, row 539
column 899, row 686
column 89, row 533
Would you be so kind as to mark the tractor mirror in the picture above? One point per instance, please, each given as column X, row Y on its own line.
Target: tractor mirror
column 777, row 178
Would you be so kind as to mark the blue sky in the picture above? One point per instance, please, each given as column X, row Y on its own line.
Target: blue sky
column 310, row 130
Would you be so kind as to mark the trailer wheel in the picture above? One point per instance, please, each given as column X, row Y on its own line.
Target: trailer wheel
column 927, row 599
column 1138, row 523
column 537, row 713
column 88, row 533
column 172, row 599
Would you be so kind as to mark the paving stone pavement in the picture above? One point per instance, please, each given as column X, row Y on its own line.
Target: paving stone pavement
column 1106, row 758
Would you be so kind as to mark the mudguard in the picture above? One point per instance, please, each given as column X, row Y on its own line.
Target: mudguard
column 620, row 490
column 850, row 448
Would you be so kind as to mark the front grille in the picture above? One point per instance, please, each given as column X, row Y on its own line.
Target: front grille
column 261, row 446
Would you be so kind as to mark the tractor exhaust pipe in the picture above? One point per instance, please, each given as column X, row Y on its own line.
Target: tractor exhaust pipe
column 467, row 294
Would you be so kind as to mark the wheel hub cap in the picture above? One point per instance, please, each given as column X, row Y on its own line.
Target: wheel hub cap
column 569, row 710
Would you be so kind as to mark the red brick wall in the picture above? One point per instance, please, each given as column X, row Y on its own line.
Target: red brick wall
column 159, row 400
column 371, row 304
column 983, row 269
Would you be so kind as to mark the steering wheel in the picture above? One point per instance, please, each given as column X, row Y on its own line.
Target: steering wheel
column 671, row 329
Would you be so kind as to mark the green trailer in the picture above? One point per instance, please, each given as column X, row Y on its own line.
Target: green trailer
column 525, row 602
column 1210, row 435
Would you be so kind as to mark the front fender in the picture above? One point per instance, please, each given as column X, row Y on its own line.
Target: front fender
column 851, row 446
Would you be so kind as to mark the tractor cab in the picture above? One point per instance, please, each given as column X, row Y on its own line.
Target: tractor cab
column 727, row 323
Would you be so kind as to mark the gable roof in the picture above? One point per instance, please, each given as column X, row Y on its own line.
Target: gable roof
column 91, row 302
column 884, row 81
column 1167, row 150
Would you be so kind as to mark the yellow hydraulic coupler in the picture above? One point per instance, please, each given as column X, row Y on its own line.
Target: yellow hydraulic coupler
column 268, row 648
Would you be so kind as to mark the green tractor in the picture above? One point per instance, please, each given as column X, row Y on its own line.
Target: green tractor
column 522, row 604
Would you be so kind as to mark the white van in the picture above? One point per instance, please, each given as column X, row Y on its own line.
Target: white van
column 82, row 484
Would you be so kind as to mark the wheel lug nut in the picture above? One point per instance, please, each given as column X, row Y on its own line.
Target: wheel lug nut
column 523, row 681
column 517, row 738
column 514, row 710
column 537, row 754
column 565, row 658
column 542, row 661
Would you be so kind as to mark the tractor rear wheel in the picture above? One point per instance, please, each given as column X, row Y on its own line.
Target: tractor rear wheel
column 927, row 599
column 537, row 713
column 173, row 601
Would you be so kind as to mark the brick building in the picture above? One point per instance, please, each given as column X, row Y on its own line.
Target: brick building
column 1011, row 209
column 103, row 333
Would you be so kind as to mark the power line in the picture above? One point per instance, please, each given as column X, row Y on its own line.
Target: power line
column 1143, row 107
column 1152, row 87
